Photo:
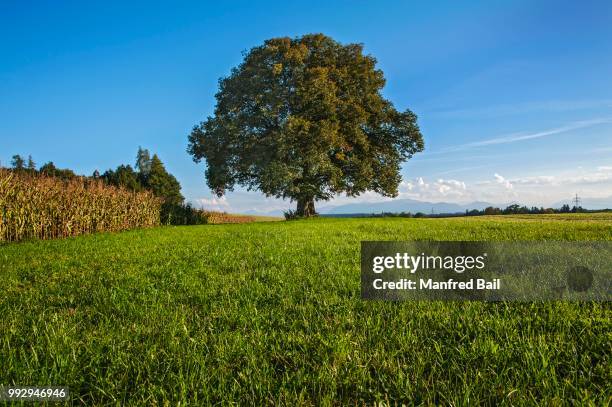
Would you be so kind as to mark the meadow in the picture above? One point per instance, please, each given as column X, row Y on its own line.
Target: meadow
column 270, row 313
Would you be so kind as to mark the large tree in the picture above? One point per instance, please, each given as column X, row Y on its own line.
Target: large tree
column 305, row 119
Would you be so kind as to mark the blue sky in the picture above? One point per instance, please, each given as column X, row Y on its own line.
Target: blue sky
column 514, row 98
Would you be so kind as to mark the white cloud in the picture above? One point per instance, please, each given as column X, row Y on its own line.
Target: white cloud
column 440, row 189
column 504, row 182
column 213, row 204
column 536, row 180
column 603, row 174
column 593, row 178
column 452, row 183
column 406, row 186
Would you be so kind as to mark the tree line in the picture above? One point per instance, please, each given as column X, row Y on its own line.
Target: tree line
column 513, row 209
column 516, row 209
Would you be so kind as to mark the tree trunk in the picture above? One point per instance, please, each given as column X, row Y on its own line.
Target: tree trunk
column 305, row 207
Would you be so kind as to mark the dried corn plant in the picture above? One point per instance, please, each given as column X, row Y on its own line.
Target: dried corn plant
column 211, row 217
column 36, row 206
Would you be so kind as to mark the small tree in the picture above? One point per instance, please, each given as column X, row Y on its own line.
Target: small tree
column 48, row 169
column 305, row 119
column 18, row 162
column 31, row 164
column 143, row 162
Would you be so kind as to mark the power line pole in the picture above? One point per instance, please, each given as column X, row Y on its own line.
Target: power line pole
column 576, row 200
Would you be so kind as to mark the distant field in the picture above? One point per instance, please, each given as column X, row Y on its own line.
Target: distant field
column 269, row 313
column 261, row 218
column 215, row 218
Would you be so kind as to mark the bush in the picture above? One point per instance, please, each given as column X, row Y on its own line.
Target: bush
column 292, row 215
column 174, row 214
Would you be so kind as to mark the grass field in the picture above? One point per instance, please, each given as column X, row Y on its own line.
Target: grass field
column 270, row 313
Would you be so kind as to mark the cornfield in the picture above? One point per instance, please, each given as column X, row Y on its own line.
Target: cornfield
column 36, row 206
column 222, row 217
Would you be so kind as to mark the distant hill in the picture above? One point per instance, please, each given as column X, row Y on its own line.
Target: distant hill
column 414, row 206
column 395, row 206
column 402, row 205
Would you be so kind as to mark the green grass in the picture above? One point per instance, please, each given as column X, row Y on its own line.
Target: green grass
column 270, row 313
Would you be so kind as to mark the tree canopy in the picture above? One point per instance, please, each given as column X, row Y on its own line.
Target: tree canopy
column 143, row 161
column 305, row 119
column 18, row 162
column 31, row 164
column 124, row 176
column 49, row 169
column 162, row 183
column 151, row 175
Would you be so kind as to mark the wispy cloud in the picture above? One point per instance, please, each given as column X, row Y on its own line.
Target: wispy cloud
column 522, row 108
column 602, row 175
column 464, row 169
column 513, row 138
column 522, row 136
